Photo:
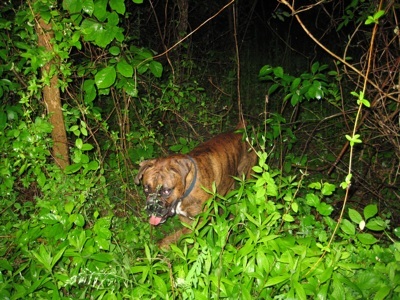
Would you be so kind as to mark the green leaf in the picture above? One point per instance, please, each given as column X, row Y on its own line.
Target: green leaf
column 382, row 293
column 348, row 227
column 90, row 92
column 43, row 257
column 106, row 77
column 278, row 72
column 103, row 223
column 93, row 165
column 276, row 280
column 333, row 73
column 249, row 246
column 338, row 290
column 138, row 1
column 69, row 206
column 396, row 232
column 354, row 140
column 365, row 102
column 258, row 169
column 105, row 35
column 84, row 131
column 355, row 216
column 41, row 179
column 160, row 285
column 295, row 99
column 5, row 265
column 325, row 209
column 100, row 10
column 176, row 148
column 315, row 67
column 103, row 257
column 125, row 69
column 77, row 157
column 265, row 70
column 102, row 243
column 326, row 275
column 87, row 6
column 379, row 14
column 375, row 18
column 118, row 6
column 72, row 168
column 130, row 87
column 300, row 293
column 156, row 68
column 315, row 185
column 72, row 6
column 84, row 159
column 79, row 220
column 86, row 147
column 273, row 88
column 295, row 207
column 50, row 218
column 323, row 291
column 366, row 238
column 315, row 91
column 114, row 50
column 272, row 188
column 287, row 218
column 295, row 84
column 57, row 257
column 376, row 224
column 79, row 143
column 74, row 128
column 369, row 20
column 312, row 200
column 370, row 211
column 355, row 94
column 328, row 189
column 348, row 178
column 89, row 29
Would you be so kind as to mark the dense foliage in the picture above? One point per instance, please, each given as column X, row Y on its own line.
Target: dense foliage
column 293, row 231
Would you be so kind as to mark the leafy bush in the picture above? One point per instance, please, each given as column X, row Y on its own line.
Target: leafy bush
column 307, row 86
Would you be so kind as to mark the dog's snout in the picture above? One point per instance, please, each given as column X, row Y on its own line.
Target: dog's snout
column 155, row 207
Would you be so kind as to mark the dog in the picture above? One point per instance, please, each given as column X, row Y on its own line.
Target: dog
column 174, row 185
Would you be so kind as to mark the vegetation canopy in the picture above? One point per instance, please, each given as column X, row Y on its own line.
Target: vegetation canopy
column 89, row 89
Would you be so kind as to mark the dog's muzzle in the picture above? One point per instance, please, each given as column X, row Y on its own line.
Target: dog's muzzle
column 159, row 209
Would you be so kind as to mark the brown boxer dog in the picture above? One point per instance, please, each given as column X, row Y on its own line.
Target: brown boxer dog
column 174, row 185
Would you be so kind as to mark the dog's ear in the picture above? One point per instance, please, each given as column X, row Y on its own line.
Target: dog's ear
column 184, row 166
column 144, row 165
column 242, row 124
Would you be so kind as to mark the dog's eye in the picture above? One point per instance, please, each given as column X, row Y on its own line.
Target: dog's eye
column 146, row 189
column 166, row 192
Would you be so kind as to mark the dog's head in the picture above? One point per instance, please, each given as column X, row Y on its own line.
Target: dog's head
column 164, row 181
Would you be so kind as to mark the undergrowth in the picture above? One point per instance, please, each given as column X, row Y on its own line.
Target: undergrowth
column 267, row 239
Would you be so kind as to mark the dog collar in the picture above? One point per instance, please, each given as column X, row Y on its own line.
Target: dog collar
column 190, row 189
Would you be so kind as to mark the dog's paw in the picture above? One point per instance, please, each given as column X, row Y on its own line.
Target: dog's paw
column 172, row 239
column 164, row 244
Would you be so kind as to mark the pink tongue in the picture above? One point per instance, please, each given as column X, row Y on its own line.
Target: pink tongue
column 155, row 220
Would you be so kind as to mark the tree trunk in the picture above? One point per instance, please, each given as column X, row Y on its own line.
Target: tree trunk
column 183, row 22
column 180, row 31
column 52, row 100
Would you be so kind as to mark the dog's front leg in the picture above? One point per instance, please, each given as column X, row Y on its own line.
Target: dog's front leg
column 174, row 237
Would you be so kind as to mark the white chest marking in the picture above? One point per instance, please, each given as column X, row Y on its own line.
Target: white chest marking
column 179, row 210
